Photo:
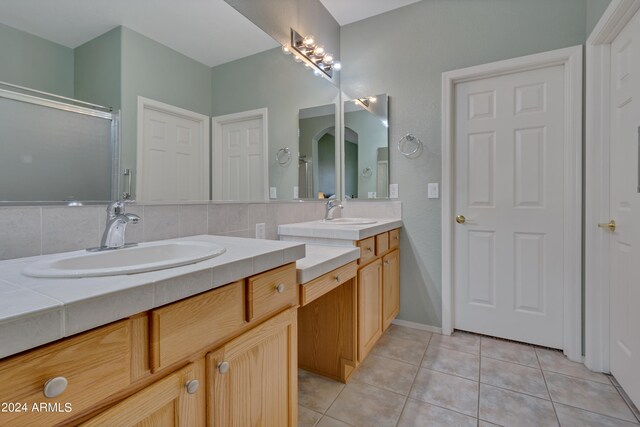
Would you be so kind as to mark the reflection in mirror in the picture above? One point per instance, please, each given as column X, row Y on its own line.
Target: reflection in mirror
column 366, row 146
column 167, row 87
column 317, row 158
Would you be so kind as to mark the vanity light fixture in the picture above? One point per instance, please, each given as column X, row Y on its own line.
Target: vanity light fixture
column 312, row 53
column 365, row 102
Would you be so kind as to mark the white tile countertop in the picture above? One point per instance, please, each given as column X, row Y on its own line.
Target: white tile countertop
column 323, row 259
column 36, row 311
column 322, row 231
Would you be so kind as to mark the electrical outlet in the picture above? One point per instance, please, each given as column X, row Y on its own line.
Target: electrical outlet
column 260, row 233
column 393, row 191
column 273, row 192
column 433, row 191
column 295, row 192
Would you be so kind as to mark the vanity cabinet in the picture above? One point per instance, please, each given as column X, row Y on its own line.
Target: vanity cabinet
column 369, row 307
column 224, row 357
column 176, row 400
column 252, row 380
column 390, row 287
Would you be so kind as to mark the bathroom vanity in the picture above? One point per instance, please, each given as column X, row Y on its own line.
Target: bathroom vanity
column 349, row 291
column 212, row 343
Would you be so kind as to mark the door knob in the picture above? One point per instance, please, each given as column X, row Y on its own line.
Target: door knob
column 611, row 225
column 460, row 219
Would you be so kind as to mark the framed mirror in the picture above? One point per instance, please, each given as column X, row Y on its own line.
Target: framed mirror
column 366, row 147
column 198, row 120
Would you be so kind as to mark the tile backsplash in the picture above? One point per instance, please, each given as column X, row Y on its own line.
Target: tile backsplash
column 38, row 230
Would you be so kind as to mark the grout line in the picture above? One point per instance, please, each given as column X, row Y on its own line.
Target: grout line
column 553, row 405
column 626, row 399
column 595, row 413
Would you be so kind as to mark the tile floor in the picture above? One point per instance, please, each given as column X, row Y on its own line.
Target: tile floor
column 415, row 378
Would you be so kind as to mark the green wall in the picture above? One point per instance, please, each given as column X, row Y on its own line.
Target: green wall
column 98, row 69
column 271, row 79
column 327, row 165
column 595, row 9
column 403, row 53
column 34, row 62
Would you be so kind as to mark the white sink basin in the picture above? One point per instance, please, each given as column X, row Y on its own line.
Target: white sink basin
column 348, row 221
column 138, row 259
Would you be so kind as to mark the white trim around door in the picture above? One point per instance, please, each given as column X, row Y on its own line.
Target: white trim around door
column 571, row 59
column 216, row 141
column 597, row 209
column 203, row 123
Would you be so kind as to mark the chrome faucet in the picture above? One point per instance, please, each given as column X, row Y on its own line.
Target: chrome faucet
column 117, row 220
column 332, row 204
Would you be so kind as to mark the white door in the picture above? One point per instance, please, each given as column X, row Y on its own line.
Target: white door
column 509, row 159
column 625, row 209
column 240, row 149
column 172, row 155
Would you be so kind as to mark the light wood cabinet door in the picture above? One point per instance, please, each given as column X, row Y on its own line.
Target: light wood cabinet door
column 390, row 288
column 253, row 380
column 173, row 401
column 369, row 307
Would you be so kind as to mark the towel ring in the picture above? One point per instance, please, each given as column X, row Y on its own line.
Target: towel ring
column 283, row 156
column 366, row 172
column 410, row 146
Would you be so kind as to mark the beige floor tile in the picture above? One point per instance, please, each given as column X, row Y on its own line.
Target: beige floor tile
column 316, row 392
column 555, row 361
column 459, row 341
column 514, row 377
column 364, row 405
column 331, row 422
column 452, row 362
column 419, row 414
column 389, row 374
column 508, row 351
column 410, row 351
column 574, row 417
column 307, row 417
column 409, row 333
column 592, row 396
column 509, row 408
column 447, row 391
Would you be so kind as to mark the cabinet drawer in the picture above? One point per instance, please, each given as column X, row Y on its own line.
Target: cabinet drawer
column 367, row 249
column 95, row 365
column 271, row 291
column 181, row 329
column 327, row 282
column 382, row 243
column 394, row 238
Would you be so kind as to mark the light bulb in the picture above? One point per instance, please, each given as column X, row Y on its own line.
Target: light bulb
column 328, row 59
column 319, row 50
column 337, row 66
column 309, row 41
column 296, row 58
column 316, row 73
column 373, row 99
column 306, row 65
column 286, row 50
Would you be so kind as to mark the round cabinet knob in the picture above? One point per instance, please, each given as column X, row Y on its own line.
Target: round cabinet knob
column 280, row 288
column 386, row 262
column 370, row 249
column 395, row 237
column 223, row 367
column 55, row 387
column 337, row 278
column 192, row 386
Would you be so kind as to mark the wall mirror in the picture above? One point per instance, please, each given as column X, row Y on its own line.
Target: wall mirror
column 317, row 172
column 205, row 109
column 366, row 147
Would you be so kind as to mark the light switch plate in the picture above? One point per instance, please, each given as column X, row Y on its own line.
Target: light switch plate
column 260, row 234
column 273, row 193
column 393, row 191
column 433, row 191
column 295, row 191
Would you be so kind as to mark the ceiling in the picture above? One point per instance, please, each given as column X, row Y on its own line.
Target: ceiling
column 348, row 11
column 209, row 31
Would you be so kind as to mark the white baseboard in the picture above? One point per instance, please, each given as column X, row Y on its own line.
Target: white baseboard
column 415, row 325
